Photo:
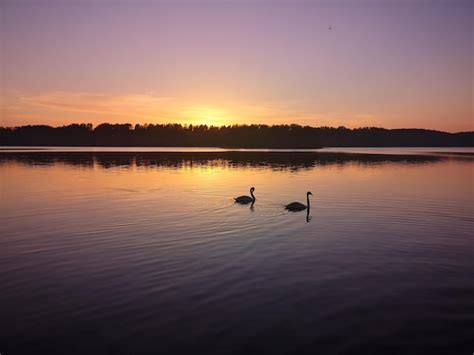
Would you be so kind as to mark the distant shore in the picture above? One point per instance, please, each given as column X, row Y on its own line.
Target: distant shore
column 230, row 137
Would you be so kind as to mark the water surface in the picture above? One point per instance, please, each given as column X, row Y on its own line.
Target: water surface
column 360, row 150
column 145, row 252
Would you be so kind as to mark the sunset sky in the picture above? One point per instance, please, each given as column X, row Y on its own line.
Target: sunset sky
column 355, row 63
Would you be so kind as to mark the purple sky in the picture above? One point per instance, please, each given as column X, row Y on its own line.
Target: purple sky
column 353, row 63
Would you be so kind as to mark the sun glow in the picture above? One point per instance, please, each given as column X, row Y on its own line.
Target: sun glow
column 207, row 115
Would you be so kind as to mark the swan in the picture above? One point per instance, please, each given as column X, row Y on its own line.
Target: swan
column 298, row 206
column 246, row 199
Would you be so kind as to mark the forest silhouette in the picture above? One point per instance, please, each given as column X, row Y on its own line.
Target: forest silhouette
column 234, row 136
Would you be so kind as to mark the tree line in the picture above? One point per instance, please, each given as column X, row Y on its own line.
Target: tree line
column 234, row 136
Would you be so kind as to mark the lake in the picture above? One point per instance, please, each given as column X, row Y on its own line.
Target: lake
column 143, row 251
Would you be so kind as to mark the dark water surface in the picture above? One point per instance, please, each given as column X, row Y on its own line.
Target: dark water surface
column 146, row 253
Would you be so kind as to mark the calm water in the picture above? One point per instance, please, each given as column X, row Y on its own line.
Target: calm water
column 362, row 150
column 146, row 253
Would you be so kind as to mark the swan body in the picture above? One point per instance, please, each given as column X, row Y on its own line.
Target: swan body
column 246, row 199
column 298, row 206
column 295, row 206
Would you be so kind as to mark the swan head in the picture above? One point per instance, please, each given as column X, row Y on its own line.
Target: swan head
column 252, row 189
column 309, row 193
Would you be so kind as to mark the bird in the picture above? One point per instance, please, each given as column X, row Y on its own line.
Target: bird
column 246, row 199
column 298, row 206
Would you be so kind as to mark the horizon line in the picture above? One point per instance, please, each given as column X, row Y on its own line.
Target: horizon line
column 187, row 125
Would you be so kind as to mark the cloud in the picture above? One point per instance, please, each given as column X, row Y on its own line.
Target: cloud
column 142, row 105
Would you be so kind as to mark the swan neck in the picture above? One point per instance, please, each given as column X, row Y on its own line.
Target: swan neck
column 307, row 200
column 251, row 194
